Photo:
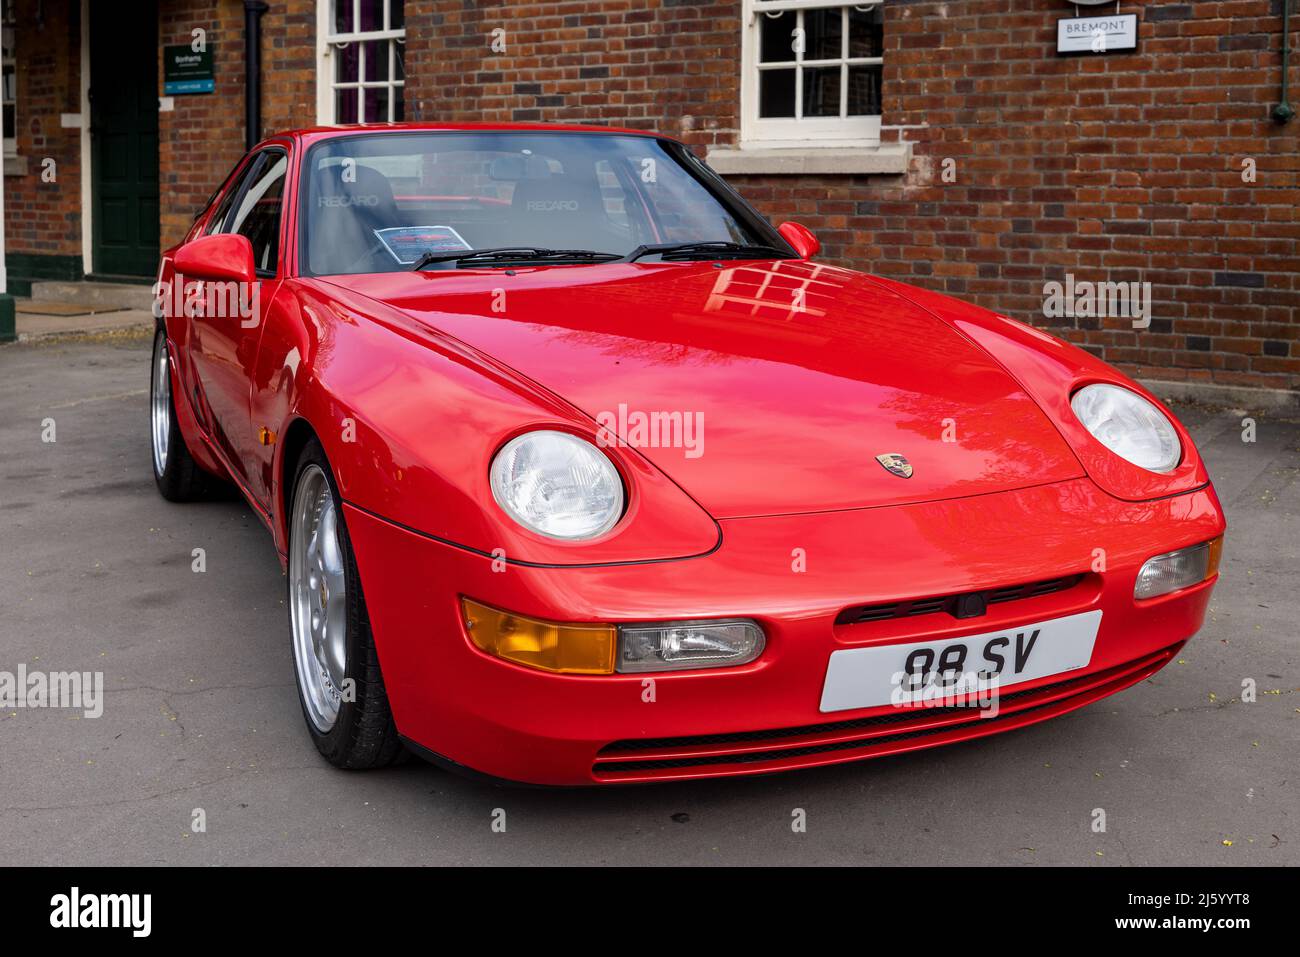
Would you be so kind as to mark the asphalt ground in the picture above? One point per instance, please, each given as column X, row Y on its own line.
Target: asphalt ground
column 200, row 711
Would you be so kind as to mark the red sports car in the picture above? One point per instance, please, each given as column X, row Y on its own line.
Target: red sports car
column 584, row 473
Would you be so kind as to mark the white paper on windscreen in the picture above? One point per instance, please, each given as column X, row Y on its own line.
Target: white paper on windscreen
column 406, row 244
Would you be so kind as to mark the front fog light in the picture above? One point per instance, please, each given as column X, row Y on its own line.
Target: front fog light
column 677, row 645
column 1175, row 570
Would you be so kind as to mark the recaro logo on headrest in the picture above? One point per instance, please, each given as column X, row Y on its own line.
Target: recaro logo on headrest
column 366, row 200
column 551, row 205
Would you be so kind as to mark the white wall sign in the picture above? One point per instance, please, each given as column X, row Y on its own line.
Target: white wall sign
column 1097, row 34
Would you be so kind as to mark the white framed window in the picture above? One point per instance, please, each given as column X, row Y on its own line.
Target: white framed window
column 811, row 73
column 361, row 73
column 9, row 78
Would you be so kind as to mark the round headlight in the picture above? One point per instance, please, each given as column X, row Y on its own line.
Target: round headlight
column 1129, row 426
column 557, row 485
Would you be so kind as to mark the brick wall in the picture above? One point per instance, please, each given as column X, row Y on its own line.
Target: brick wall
column 203, row 136
column 666, row 65
column 43, row 218
column 1125, row 167
column 202, row 139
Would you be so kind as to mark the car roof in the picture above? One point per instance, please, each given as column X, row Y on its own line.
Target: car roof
column 315, row 133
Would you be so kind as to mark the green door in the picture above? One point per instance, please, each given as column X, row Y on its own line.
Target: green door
column 124, row 138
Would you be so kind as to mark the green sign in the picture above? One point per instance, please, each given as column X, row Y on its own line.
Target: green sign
column 187, row 71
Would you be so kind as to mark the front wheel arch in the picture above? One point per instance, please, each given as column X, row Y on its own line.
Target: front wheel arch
column 363, row 734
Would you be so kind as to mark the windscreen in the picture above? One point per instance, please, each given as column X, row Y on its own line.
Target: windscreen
column 377, row 203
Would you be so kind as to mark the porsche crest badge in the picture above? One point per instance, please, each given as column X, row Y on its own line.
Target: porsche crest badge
column 896, row 463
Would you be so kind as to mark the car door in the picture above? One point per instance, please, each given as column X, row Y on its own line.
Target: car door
column 228, row 329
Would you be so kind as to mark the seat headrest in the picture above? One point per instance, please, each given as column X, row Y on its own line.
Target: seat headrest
column 359, row 189
column 556, row 211
column 555, row 196
column 346, row 212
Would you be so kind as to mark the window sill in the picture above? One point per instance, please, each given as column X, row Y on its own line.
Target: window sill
column 15, row 165
column 889, row 160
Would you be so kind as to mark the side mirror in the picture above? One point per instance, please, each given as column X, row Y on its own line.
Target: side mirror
column 801, row 238
column 220, row 257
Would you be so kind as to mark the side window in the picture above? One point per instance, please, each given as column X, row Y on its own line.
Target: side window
column 257, row 213
column 236, row 184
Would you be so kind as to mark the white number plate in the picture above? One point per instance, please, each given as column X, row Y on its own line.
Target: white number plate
column 869, row 677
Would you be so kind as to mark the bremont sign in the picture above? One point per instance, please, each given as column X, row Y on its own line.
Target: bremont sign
column 1097, row 34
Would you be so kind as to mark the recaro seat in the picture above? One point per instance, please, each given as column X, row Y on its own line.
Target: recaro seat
column 345, row 215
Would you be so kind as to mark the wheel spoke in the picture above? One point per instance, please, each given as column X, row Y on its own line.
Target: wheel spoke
column 335, row 581
column 336, row 654
column 331, row 552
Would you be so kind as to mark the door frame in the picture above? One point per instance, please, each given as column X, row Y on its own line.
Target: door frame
column 87, row 199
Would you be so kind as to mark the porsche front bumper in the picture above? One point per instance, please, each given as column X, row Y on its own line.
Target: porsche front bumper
column 517, row 723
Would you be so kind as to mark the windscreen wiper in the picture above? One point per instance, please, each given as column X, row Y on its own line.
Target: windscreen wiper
column 709, row 250
column 515, row 255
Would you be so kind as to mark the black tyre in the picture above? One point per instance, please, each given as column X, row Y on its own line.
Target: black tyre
column 340, row 685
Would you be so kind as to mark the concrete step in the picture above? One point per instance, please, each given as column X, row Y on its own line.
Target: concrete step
column 117, row 295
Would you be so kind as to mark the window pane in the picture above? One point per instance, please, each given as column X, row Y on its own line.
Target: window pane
column 396, row 14
column 376, row 106
column 372, row 15
column 776, row 93
column 228, row 199
column 376, row 59
column 777, row 38
column 821, row 91
column 864, row 90
column 825, row 30
column 399, row 105
column 866, row 33
column 345, row 106
column 347, row 63
column 342, row 16
column 9, row 81
column 258, row 217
